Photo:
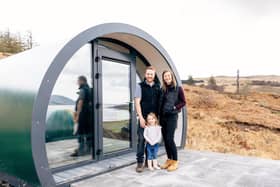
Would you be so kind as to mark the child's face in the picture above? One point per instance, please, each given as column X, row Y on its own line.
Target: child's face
column 151, row 120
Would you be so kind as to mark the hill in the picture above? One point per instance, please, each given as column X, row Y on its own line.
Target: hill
column 61, row 100
column 246, row 83
column 229, row 123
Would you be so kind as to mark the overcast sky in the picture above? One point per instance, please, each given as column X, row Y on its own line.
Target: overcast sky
column 203, row 37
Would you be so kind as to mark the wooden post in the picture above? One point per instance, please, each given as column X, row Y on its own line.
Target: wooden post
column 237, row 82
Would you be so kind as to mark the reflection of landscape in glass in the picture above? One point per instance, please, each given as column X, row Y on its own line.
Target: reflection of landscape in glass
column 116, row 126
column 115, row 83
column 116, row 100
column 116, row 115
column 59, row 123
column 116, row 122
column 79, row 64
column 61, row 142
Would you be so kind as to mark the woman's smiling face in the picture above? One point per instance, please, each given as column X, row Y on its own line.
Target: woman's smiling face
column 167, row 77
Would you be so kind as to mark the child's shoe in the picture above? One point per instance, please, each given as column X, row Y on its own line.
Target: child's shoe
column 150, row 165
column 155, row 164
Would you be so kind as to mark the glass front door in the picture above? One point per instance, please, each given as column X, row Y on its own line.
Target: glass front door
column 115, row 117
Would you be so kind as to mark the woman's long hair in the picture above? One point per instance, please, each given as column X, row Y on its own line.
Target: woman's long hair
column 173, row 82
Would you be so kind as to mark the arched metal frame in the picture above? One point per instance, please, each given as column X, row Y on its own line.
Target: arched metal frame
column 42, row 99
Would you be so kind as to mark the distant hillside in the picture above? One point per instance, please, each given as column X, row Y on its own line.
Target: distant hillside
column 247, row 83
column 230, row 123
column 233, row 78
column 61, row 100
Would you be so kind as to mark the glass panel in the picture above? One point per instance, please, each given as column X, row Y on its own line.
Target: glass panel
column 116, row 106
column 63, row 143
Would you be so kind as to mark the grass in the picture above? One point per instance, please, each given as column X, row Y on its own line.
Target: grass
column 116, row 126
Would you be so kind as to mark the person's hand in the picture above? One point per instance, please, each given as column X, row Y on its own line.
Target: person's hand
column 142, row 122
column 76, row 118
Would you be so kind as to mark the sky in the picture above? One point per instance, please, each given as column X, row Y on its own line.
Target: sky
column 203, row 37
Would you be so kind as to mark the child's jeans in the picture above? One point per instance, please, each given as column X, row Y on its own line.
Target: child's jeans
column 152, row 151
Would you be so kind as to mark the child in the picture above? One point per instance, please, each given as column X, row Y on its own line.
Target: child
column 152, row 134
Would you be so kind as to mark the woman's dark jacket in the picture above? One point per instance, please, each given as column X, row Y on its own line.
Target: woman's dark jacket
column 172, row 100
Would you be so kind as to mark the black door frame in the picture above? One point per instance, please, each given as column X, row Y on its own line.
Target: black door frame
column 100, row 52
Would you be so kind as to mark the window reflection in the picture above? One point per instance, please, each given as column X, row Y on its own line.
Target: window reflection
column 116, row 106
column 66, row 142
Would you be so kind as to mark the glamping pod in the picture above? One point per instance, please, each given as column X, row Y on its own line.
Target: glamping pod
column 38, row 93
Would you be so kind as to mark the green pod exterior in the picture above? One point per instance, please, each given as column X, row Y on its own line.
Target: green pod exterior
column 15, row 136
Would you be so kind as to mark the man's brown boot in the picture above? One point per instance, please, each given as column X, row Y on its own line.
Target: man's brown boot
column 139, row 168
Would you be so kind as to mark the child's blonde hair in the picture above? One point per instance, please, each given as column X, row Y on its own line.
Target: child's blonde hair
column 154, row 116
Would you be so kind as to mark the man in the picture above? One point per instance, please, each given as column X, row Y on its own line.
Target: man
column 147, row 97
column 82, row 117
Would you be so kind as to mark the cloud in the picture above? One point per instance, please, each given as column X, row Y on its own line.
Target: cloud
column 257, row 7
column 202, row 37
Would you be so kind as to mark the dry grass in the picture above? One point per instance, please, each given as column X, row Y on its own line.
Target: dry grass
column 229, row 84
column 4, row 55
column 242, row 124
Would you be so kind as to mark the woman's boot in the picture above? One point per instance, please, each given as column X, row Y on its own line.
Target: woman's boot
column 173, row 166
column 166, row 164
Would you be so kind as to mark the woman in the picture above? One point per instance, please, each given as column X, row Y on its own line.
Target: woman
column 173, row 100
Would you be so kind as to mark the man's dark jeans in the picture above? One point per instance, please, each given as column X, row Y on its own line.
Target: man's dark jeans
column 85, row 144
column 141, row 150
